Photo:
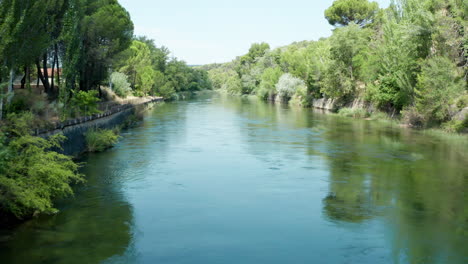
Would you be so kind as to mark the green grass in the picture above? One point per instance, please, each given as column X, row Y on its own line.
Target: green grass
column 353, row 112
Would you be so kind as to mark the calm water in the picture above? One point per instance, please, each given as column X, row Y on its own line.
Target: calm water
column 230, row 180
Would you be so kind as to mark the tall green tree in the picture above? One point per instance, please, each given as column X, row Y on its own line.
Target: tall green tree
column 139, row 68
column 344, row 68
column 344, row 12
column 107, row 30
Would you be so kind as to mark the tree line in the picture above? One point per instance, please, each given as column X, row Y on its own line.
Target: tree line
column 87, row 40
column 408, row 60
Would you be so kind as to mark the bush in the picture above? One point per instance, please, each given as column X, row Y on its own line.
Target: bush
column 456, row 126
column 411, row 117
column 31, row 174
column 353, row 112
column 85, row 103
column 98, row 140
column 38, row 104
column 288, row 85
column 379, row 116
column 120, row 84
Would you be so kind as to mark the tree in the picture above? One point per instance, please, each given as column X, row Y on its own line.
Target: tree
column 269, row 79
column 159, row 56
column 139, row 68
column 257, row 50
column 107, row 30
column 439, row 84
column 343, row 70
column 344, row 12
column 288, row 85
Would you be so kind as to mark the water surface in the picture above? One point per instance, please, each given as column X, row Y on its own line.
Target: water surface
column 231, row 180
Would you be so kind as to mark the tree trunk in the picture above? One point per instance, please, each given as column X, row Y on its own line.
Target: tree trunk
column 41, row 77
column 53, row 75
column 58, row 66
column 46, row 74
column 10, row 86
column 23, row 80
column 37, row 83
column 28, row 78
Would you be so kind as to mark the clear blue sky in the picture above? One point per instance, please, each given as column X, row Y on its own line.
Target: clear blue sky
column 208, row 31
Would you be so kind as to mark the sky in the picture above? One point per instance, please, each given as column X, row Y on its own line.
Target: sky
column 214, row 31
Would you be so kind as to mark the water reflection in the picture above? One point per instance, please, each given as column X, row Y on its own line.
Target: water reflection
column 415, row 183
column 95, row 226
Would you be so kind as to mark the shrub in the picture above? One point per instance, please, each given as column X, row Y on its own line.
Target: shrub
column 288, row 85
column 98, row 140
column 85, row 102
column 456, row 126
column 379, row 115
column 31, row 174
column 120, row 83
column 353, row 112
column 411, row 117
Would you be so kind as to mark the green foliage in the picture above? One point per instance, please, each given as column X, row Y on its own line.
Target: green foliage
column 167, row 90
column 269, row 79
column 308, row 62
column 288, row 86
column 382, row 56
column 439, row 85
column 353, row 112
column 456, row 126
column 32, row 175
column 257, row 50
column 347, row 47
column 85, row 103
column 98, row 140
column 120, row 84
column 377, row 115
column 139, row 68
column 345, row 12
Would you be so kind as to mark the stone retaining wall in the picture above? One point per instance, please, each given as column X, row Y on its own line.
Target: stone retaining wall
column 75, row 129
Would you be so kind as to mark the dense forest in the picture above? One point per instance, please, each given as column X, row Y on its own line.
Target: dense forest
column 408, row 61
column 58, row 60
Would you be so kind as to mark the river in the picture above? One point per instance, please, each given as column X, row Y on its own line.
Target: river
column 223, row 179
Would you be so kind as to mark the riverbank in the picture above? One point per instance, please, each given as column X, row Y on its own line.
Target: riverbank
column 39, row 166
column 360, row 109
column 75, row 129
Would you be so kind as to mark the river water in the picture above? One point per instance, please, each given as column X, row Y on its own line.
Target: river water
column 234, row 180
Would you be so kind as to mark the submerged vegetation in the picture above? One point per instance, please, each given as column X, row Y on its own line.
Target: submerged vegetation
column 408, row 60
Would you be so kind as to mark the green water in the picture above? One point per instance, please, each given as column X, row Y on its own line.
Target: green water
column 231, row 180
